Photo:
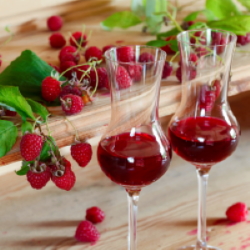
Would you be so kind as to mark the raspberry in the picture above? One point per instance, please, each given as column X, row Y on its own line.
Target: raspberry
column 241, row 40
column 50, row 89
column 10, row 113
column 78, row 39
column 122, row 78
column 167, row 47
column 95, row 215
column 193, row 57
column 39, row 176
column 93, row 54
column 237, row 212
column 125, row 54
column 81, row 153
column 31, row 146
column 200, row 51
column 207, row 98
column 178, row 74
column 248, row 37
column 64, row 179
column 54, row 23
column 167, row 70
column 87, row 232
column 69, row 53
column 102, row 74
column 81, row 70
column 107, row 47
column 66, row 65
column 146, row 57
column 57, row 40
column 191, row 71
column 135, row 72
column 69, row 89
column 71, row 104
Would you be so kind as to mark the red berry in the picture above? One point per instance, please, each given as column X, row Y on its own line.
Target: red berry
column 39, row 177
column 57, row 40
column 78, row 39
column 103, row 81
column 95, row 215
column 248, row 37
column 122, row 78
column 107, row 47
column 64, row 179
column 54, row 23
column 93, row 54
column 190, row 23
column 241, row 40
column 167, row 70
column 125, row 54
column 87, row 232
column 72, row 104
column 167, row 47
column 69, row 53
column 82, row 70
column 65, row 65
column 146, row 57
column 10, row 113
column 237, row 212
column 50, row 89
column 81, row 153
column 69, row 89
column 201, row 51
column 135, row 72
column 31, row 146
column 193, row 57
column 207, row 97
column 178, row 74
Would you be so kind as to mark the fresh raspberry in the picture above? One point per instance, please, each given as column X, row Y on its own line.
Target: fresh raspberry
column 125, row 54
column 135, row 72
column 167, row 48
column 10, row 113
column 191, row 72
column 107, row 47
column 220, row 47
column 87, row 232
column 78, row 39
column 54, row 23
column 71, row 104
column 237, row 212
column 82, row 70
column 57, row 40
column 102, row 74
column 178, row 74
column 31, row 146
column 201, row 51
column 93, row 54
column 185, row 25
column 167, row 70
column 146, row 57
column 95, row 215
column 64, row 179
column 70, row 89
column 248, row 37
column 122, row 78
column 50, row 89
column 65, row 65
column 193, row 57
column 39, row 176
column 81, row 153
column 69, row 53
column 241, row 40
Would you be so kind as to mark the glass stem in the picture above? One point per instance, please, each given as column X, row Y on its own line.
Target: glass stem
column 202, row 176
column 133, row 198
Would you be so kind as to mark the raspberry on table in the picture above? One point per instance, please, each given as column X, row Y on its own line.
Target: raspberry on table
column 70, row 89
column 31, row 146
column 10, row 113
column 107, row 47
column 65, row 65
column 102, row 75
column 57, row 40
column 122, row 78
column 39, row 177
column 237, row 212
column 87, row 232
column 51, row 89
column 54, row 23
column 135, row 72
column 78, row 39
column 95, row 215
column 167, row 70
column 125, row 54
column 72, row 104
column 167, row 48
column 93, row 54
column 146, row 57
column 80, row 71
column 81, row 153
column 69, row 53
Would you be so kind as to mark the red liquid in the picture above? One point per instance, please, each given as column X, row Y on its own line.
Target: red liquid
column 133, row 161
column 203, row 140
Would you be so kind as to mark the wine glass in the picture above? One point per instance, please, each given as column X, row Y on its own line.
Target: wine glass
column 134, row 152
column 204, row 131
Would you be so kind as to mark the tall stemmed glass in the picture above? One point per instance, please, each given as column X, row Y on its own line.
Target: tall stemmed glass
column 134, row 151
column 203, row 130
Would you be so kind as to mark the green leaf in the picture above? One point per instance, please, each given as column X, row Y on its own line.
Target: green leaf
column 197, row 25
column 172, row 32
column 8, row 135
column 174, row 45
column 24, row 168
column 240, row 25
column 39, row 109
column 26, row 127
column 11, row 97
column 47, row 146
column 138, row 7
column 193, row 15
column 157, row 43
column 245, row 3
column 27, row 72
column 222, row 8
column 122, row 19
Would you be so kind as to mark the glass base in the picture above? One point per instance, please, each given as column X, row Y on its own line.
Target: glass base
column 193, row 247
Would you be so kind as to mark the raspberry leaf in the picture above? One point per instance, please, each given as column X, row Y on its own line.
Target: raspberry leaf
column 47, row 147
column 24, row 168
column 157, row 43
column 39, row 109
column 8, row 135
column 171, row 32
column 26, row 127
column 10, row 97
column 193, row 15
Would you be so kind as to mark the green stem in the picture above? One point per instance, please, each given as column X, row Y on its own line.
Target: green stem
column 174, row 56
column 77, row 137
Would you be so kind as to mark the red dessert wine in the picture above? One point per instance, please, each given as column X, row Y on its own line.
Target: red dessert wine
column 203, row 140
column 133, row 160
